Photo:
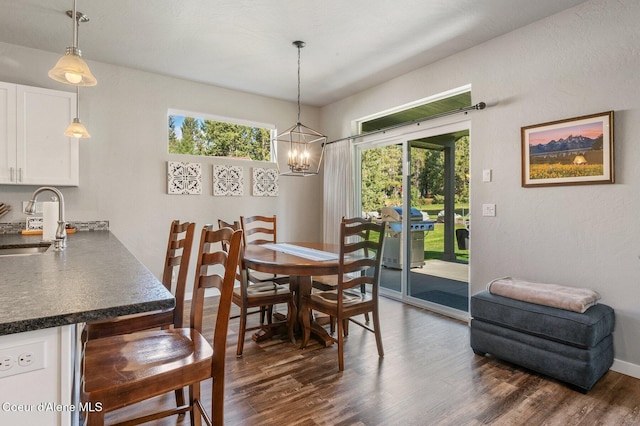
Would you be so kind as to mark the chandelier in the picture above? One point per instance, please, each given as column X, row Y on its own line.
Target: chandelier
column 303, row 158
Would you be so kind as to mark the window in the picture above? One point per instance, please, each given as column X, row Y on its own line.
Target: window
column 200, row 134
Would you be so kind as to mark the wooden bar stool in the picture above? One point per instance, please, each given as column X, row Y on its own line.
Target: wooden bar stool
column 176, row 263
column 122, row 370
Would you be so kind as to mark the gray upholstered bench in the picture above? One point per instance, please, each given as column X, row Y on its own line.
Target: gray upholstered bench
column 573, row 347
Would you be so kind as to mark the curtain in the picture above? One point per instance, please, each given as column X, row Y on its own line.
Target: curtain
column 338, row 188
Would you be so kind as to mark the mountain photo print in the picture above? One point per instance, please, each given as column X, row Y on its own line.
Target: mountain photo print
column 574, row 151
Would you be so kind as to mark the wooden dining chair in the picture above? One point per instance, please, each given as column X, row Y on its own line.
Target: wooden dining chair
column 176, row 263
column 347, row 300
column 261, row 230
column 235, row 225
column 263, row 309
column 262, row 294
column 122, row 370
column 330, row 282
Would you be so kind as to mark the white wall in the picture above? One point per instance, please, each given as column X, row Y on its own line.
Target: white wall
column 123, row 165
column 582, row 61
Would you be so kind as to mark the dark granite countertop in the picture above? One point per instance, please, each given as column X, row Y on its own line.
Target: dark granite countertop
column 94, row 278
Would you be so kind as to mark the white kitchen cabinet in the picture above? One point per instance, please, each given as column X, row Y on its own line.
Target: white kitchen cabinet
column 8, row 107
column 33, row 147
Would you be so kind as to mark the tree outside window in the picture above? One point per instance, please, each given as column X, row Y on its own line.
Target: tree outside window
column 208, row 137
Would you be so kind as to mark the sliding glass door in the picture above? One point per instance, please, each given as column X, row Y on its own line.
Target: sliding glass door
column 439, row 185
column 418, row 184
column 381, row 199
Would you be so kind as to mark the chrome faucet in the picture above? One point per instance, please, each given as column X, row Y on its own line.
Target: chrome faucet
column 61, row 232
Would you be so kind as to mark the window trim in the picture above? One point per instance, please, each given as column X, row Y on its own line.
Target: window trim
column 357, row 123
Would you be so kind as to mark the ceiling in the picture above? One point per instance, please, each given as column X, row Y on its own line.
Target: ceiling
column 247, row 44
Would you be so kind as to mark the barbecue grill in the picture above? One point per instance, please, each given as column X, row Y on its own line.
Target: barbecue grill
column 393, row 252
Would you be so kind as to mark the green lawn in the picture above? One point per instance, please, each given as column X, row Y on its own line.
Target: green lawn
column 434, row 209
column 434, row 244
column 434, row 240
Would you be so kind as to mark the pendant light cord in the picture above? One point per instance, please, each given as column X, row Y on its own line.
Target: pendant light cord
column 78, row 102
column 76, row 30
column 75, row 26
column 299, row 47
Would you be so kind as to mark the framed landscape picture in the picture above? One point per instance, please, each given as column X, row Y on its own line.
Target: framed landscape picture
column 574, row 151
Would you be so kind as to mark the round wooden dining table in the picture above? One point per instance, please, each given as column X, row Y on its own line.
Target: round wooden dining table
column 300, row 271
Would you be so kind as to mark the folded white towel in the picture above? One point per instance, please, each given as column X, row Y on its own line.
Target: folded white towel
column 558, row 296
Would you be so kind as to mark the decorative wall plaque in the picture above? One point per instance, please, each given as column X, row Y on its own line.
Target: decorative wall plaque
column 184, row 178
column 228, row 181
column 265, row 182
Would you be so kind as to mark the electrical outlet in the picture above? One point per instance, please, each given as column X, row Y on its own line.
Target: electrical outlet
column 6, row 362
column 25, row 359
column 21, row 359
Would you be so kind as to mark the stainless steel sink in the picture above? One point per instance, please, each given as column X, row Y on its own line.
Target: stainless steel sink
column 23, row 249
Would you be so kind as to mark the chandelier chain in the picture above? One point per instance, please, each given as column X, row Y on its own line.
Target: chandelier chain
column 299, row 47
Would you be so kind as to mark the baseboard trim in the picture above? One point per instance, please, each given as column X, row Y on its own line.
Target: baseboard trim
column 627, row 368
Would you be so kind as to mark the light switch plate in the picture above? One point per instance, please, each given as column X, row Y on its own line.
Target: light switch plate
column 488, row 210
column 486, row 175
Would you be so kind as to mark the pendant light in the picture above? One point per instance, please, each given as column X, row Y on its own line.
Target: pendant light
column 302, row 159
column 76, row 129
column 71, row 68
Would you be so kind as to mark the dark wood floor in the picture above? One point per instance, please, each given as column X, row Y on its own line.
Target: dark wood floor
column 428, row 376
